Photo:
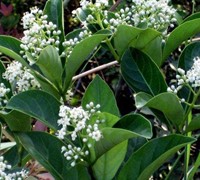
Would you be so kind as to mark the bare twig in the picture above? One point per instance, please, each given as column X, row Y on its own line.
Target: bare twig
column 94, row 70
column 115, row 5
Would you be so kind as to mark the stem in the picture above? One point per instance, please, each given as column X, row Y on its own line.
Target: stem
column 109, row 44
column 193, row 6
column 188, row 118
column 94, row 70
column 174, row 165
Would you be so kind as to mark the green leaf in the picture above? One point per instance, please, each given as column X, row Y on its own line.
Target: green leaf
column 174, row 112
column 46, row 149
column 194, row 168
column 141, row 99
column 107, row 165
column 0, row 132
column 50, row 64
column 179, row 35
column 144, row 162
column 11, row 47
column 141, row 73
column 137, row 124
column 79, row 54
column 192, row 17
column 16, row 120
column 6, row 145
column 189, row 53
column 38, row 104
column 129, row 36
column 110, row 119
column 194, row 124
column 99, row 92
column 55, row 12
column 112, row 137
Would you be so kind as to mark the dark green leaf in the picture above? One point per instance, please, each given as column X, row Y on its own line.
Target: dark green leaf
column 46, row 149
column 99, row 92
column 11, row 47
column 79, row 54
column 16, row 120
column 151, row 156
column 107, row 165
column 54, row 10
column 141, row 73
column 38, row 104
column 192, row 17
column 189, row 53
column 179, row 35
column 50, row 64
column 136, row 123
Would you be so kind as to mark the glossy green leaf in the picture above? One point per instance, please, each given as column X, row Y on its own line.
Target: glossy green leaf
column 109, row 119
column 99, row 92
column 107, row 165
column 194, row 124
column 11, row 47
column 192, row 17
column 16, row 120
column 79, row 54
column 38, row 104
column 50, row 64
column 55, row 11
column 141, row 99
column 189, row 53
column 174, row 112
column 179, row 35
column 129, row 36
column 137, row 124
column 141, row 73
column 112, row 137
column 151, row 156
column 6, row 145
column 46, row 149
column 194, row 168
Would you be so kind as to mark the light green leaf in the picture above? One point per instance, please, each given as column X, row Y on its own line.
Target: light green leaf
column 179, row 35
column 141, row 99
column 107, row 165
column 194, row 124
column 79, row 54
column 38, row 104
column 174, row 112
column 112, row 137
column 129, row 36
column 6, row 145
column 50, row 64
column 145, row 161
column 99, row 92
column 141, row 73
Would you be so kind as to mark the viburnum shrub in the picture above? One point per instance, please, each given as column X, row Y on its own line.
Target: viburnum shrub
column 93, row 140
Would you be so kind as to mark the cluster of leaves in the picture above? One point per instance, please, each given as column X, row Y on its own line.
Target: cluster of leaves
column 127, row 149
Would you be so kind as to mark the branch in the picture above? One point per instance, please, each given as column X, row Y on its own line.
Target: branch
column 94, row 70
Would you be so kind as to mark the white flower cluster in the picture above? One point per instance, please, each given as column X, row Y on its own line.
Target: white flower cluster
column 10, row 176
column 38, row 34
column 191, row 77
column 71, row 43
column 20, row 77
column 140, row 13
column 79, row 120
column 3, row 94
